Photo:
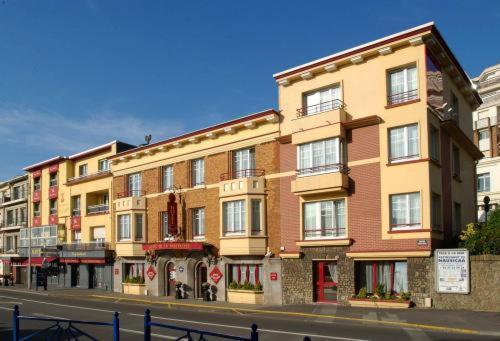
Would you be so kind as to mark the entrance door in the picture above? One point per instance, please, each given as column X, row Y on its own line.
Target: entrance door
column 170, row 279
column 201, row 277
column 325, row 281
column 98, row 280
column 75, row 275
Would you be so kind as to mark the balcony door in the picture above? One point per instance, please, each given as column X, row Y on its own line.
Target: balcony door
column 134, row 184
column 325, row 281
column 243, row 162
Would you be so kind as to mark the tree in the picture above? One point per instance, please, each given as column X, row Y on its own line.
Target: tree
column 483, row 238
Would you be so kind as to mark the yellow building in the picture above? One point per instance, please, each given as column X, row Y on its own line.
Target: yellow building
column 70, row 221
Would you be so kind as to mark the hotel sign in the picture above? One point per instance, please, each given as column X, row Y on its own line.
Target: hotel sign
column 173, row 246
column 452, row 271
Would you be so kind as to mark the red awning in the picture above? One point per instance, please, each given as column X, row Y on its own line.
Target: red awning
column 37, row 261
column 83, row 260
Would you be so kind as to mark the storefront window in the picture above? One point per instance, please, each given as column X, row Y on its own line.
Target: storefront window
column 133, row 270
column 245, row 273
column 393, row 275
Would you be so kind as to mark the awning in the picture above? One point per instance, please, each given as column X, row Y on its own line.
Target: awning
column 83, row 260
column 37, row 261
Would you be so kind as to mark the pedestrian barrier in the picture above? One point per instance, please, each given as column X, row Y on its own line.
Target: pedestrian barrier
column 57, row 331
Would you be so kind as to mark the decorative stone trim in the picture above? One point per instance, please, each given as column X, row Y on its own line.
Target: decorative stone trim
column 324, row 242
column 366, row 302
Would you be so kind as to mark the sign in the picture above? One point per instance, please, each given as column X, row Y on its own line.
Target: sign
column 151, row 272
column 273, row 276
column 76, row 222
column 37, row 173
column 53, row 192
column 37, row 221
column 180, row 268
column 36, row 196
column 452, row 271
column 193, row 246
column 53, row 219
column 215, row 275
column 53, row 168
column 117, row 271
column 422, row 242
column 172, row 214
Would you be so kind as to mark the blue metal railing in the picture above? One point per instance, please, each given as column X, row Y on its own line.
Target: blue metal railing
column 56, row 331
column 254, row 334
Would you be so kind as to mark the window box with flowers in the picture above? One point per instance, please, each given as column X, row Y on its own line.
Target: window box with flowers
column 134, row 286
column 245, row 285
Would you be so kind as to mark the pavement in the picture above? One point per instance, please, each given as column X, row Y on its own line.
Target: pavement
column 319, row 321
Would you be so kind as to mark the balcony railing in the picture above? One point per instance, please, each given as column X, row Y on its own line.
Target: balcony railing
column 402, row 97
column 244, row 173
column 88, row 175
column 324, row 233
column 336, row 167
column 97, row 209
column 321, row 107
column 131, row 193
column 93, row 246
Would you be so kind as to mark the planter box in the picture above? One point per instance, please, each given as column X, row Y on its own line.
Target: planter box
column 245, row 296
column 360, row 302
column 134, row 289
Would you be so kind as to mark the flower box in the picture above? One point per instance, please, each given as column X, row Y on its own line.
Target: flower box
column 134, row 288
column 368, row 302
column 245, row 296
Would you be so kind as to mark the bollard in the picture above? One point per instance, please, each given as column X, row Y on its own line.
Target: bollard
column 15, row 323
column 116, row 327
column 147, row 325
column 254, row 335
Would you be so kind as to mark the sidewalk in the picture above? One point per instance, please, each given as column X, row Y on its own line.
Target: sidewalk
column 455, row 321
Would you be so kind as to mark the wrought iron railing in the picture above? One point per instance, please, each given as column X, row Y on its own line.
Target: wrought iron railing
column 321, row 107
column 93, row 246
column 335, row 167
column 334, row 232
column 402, row 97
column 96, row 209
column 60, row 329
column 244, row 173
column 131, row 193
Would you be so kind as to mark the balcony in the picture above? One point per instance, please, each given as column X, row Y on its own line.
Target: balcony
column 244, row 173
column 98, row 209
column 93, row 246
column 127, row 202
column 88, row 177
column 322, row 179
column 242, row 186
column 131, row 193
column 12, row 225
column 243, row 245
column 402, row 97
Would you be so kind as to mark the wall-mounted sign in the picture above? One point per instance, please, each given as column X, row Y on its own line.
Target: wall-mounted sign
column 422, row 242
column 173, row 246
column 180, row 268
column 53, row 192
column 215, row 275
column 76, row 222
column 452, row 271
column 273, row 276
column 117, row 271
column 172, row 214
column 151, row 272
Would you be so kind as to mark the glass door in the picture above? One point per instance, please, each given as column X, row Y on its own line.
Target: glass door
column 325, row 281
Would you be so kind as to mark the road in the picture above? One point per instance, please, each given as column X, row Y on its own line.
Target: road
column 271, row 327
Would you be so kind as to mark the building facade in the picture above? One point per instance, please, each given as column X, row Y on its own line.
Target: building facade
column 13, row 217
column 377, row 142
column 487, row 137
column 71, row 222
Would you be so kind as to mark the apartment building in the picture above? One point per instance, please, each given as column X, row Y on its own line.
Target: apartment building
column 199, row 208
column 71, row 221
column 378, row 147
column 13, row 217
column 487, row 137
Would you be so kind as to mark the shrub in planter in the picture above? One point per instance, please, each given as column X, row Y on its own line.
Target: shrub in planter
column 405, row 296
column 380, row 290
column 233, row 285
column 258, row 286
column 362, row 293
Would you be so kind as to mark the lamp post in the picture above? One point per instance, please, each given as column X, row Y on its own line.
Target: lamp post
column 486, row 202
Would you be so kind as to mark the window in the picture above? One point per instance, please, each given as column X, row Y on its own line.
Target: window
column 124, row 227
column 234, row 217
column 139, row 226
column 322, row 100
column 403, row 85
column 53, row 179
column 245, row 273
column 167, row 178
column 99, row 235
column 17, row 193
column 36, row 184
column 53, row 206
column 324, row 219
column 22, row 216
column 405, row 211
column 483, row 182
column 82, row 170
column 455, row 106
column 243, row 163
column 133, row 270
column 392, row 275
column 436, row 211
column 457, row 219
column 256, row 209
column 484, row 140
column 76, row 205
column 134, row 184
column 164, row 226
column 77, row 237
column 10, row 217
column 36, row 209
column 103, row 165
column 9, row 245
column 434, row 143
column 198, row 222
column 197, row 172
column 456, row 161
column 319, row 157
column 403, row 143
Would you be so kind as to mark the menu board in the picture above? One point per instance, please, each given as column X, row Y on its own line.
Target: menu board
column 452, row 271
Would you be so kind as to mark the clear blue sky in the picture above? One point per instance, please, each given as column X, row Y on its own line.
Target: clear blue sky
column 76, row 74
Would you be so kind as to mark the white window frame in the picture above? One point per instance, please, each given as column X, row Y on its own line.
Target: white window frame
column 138, row 217
column 167, row 178
column 256, row 216
column 407, row 225
column 243, row 162
column 53, row 179
column 122, row 228
column 83, row 170
column 52, row 210
column 406, row 144
column 406, row 85
column 103, row 165
column 322, row 100
column 198, row 222
column 338, row 219
column 230, row 211
column 308, row 148
column 198, row 172
column 165, row 235
column 485, row 179
column 134, row 184
column 99, row 240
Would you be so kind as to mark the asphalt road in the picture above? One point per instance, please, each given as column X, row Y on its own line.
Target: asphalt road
column 236, row 323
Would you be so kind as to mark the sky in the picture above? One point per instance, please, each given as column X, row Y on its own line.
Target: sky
column 77, row 74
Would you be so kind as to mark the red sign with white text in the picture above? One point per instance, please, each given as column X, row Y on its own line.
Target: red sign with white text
column 36, row 196
column 151, row 273
column 215, row 275
column 76, row 222
column 37, row 221
column 274, row 276
column 172, row 214
column 53, row 192
column 173, row 246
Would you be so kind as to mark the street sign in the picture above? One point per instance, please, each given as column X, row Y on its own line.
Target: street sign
column 151, row 273
column 215, row 275
column 452, row 271
column 274, row 276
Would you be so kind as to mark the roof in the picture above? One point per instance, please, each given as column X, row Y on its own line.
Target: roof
column 92, row 150
column 44, row 163
column 200, row 131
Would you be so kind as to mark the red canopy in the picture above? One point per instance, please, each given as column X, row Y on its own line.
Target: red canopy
column 37, row 261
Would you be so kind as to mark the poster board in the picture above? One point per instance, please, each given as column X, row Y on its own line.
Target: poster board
column 452, row 271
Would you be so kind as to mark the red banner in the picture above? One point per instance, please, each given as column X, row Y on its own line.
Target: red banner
column 53, row 192
column 53, row 219
column 37, row 221
column 76, row 222
column 172, row 215
column 53, row 168
column 173, row 246
column 37, row 173
column 36, row 196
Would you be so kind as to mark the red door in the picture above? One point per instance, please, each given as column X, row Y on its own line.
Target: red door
column 325, row 281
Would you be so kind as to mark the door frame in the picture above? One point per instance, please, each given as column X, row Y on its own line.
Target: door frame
column 319, row 284
column 198, row 281
column 169, row 291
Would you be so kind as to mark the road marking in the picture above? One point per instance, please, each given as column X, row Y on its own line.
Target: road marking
column 248, row 328
column 50, row 316
column 138, row 332
column 3, row 308
column 298, row 314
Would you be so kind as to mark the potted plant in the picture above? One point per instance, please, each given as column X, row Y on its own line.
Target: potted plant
column 134, row 285
column 205, row 291
column 180, row 290
column 380, row 299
